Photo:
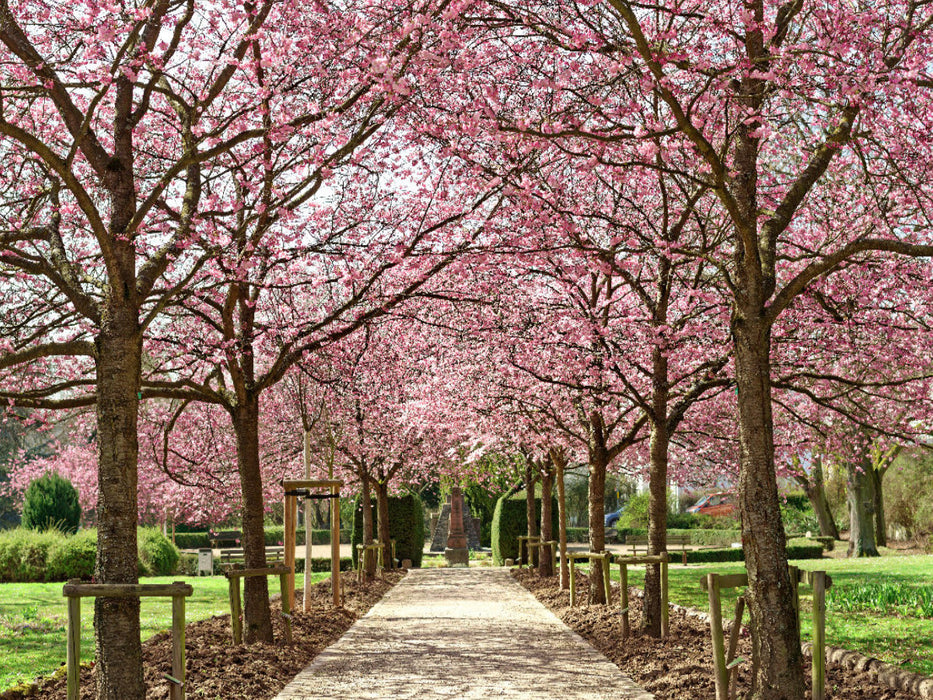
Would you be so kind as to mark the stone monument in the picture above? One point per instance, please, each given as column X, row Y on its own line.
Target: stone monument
column 456, row 553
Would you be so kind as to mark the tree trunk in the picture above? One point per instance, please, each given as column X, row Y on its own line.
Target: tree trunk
column 657, row 524
column 382, row 521
column 257, row 620
column 530, row 510
column 860, row 494
column 559, row 465
column 116, row 620
column 770, row 599
column 545, row 564
column 366, row 503
column 881, row 525
column 816, row 493
column 597, row 513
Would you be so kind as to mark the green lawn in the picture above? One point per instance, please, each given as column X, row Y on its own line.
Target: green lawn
column 33, row 621
column 905, row 640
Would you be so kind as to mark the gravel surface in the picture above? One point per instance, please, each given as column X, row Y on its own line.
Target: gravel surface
column 461, row 633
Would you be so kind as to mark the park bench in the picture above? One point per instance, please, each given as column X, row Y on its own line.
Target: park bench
column 219, row 539
column 228, row 557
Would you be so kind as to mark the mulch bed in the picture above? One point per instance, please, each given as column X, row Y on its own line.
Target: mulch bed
column 217, row 669
column 680, row 666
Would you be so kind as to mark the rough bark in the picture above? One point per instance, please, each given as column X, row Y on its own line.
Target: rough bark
column 814, row 489
column 775, row 640
column 257, row 620
column 366, row 503
column 860, row 495
column 382, row 522
column 530, row 514
column 545, row 564
column 657, row 526
column 559, row 465
column 881, row 525
column 116, row 621
column 599, row 460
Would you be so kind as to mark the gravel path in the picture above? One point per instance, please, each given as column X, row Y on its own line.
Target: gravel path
column 461, row 633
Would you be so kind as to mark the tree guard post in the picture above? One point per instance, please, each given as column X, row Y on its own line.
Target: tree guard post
column 302, row 488
column 74, row 590
column 235, row 574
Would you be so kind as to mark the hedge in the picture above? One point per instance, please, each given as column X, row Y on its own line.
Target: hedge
column 406, row 527
column 510, row 519
column 188, row 564
column 273, row 536
column 27, row 556
column 796, row 549
column 703, row 537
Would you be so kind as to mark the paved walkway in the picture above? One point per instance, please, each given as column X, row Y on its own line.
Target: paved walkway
column 461, row 633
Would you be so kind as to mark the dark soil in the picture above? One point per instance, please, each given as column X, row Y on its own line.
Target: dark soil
column 680, row 666
column 218, row 669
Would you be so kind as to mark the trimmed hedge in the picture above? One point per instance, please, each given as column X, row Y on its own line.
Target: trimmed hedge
column 406, row 527
column 274, row 534
column 188, row 565
column 702, row 537
column 796, row 549
column 510, row 519
column 28, row 556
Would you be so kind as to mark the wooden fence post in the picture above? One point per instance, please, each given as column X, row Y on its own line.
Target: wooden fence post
column 286, row 608
column 604, row 567
column 623, row 594
column 719, row 645
column 73, row 654
column 573, row 582
column 177, row 691
column 235, row 621
column 334, row 545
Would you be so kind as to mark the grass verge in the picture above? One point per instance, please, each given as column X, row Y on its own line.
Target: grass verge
column 903, row 638
column 33, row 621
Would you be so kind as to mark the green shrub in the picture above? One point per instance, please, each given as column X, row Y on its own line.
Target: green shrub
column 192, row 540
column 51, row 502
column 157, row 555
column 509, row 520
column 797, row 514
column 24, row 554
column 73, row 557
column 577, row 534
column 796, row 549
column 701, row 537
column 273, row 535
column 406, row 527
column 322, row 564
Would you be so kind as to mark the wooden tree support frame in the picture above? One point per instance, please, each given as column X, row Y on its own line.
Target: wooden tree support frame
column 362, row 552
column 726, row 664
column 74, row 591
column 625, row 561
column 604, row 557
column 550, row 544
column 524, row 543
column 233, row 577
column 292, row 488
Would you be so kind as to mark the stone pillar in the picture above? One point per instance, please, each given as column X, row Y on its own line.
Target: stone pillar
column 456, row 553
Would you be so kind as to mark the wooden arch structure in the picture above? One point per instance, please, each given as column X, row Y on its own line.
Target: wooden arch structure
column 295, row 489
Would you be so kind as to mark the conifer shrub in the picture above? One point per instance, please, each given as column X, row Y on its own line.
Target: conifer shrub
column 406, row 527
column 51, row 502
column 509, row 520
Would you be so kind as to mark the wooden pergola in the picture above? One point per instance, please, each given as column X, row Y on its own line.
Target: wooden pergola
column 295, row 489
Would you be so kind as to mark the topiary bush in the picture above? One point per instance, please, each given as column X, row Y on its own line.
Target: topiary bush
column 157, row 555
column 73, row 557
column 406, row 527
column 51, row 502
column 509, row 520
